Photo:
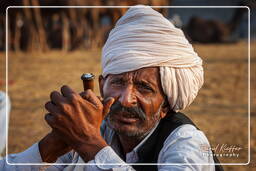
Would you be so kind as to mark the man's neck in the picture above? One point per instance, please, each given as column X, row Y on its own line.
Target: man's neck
column 128, row 143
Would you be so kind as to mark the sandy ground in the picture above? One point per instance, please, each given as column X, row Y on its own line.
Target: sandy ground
column 220, row 110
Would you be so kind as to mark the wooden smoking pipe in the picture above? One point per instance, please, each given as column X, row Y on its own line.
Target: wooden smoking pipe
column 88, row 81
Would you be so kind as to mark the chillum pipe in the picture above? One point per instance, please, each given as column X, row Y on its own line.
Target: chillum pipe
column 88, row 81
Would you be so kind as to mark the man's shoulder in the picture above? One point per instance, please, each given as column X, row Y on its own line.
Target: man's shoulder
column 180, row 129
column 186, row 144
column 186, row 132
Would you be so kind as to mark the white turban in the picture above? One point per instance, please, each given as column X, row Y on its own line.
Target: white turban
column 144, row 38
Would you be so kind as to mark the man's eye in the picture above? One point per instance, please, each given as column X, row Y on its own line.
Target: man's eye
column 145, row 87
column 117, row 82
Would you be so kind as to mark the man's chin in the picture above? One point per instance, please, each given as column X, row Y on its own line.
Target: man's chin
column 129, row 130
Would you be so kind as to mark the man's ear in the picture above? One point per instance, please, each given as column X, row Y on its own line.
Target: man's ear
column 165, row 108
column 101, row 84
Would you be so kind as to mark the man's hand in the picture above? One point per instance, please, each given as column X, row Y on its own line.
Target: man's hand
column 77, row 119
column 52, row 146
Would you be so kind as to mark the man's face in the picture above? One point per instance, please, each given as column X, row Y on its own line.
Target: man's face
column 138, row 101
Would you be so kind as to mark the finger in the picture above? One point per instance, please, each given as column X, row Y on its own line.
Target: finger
column 56, row 98
column 83, row 94
column 100, row 98
column 107, row 104
column 49, row 118
column 67, row 91
column 50, row 107
column 91, row 97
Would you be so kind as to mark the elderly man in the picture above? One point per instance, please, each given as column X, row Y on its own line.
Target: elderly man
column 150, row 72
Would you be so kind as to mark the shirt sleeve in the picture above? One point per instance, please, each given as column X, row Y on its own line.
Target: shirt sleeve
column 31, row 155
column 107, row 159
column 29, row 158
column 187, row 148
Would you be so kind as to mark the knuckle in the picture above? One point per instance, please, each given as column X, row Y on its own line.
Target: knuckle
column 63, row 87
column 49, row 118
column 74, row 97
column 65, row 107
column 82, row 94
column 58, row 118
column 89, row 91
column 46, row 105
column 53, row 120
column 100, row 98
column 86, row 97
column 53, row 93
column 100, row 107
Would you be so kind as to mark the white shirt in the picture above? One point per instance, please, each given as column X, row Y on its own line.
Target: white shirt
column 182, row 146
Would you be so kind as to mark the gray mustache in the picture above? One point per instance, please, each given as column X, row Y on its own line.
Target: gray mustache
column 132, row 112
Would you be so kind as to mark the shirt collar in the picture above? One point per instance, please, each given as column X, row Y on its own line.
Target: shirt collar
column 145, row 139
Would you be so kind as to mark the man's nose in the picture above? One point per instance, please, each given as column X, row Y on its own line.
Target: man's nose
column 127, row 97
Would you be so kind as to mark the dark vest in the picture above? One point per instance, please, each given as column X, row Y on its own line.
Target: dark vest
column 149, row 152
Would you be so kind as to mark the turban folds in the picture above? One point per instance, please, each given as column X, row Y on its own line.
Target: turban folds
column 144, row 38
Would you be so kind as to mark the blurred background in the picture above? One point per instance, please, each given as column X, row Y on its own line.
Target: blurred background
column 50, row 47
column 84, row 28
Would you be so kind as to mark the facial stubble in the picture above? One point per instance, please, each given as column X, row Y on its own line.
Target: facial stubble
column 143, row 122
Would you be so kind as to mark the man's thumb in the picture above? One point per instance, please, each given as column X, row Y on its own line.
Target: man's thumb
column 107, row 103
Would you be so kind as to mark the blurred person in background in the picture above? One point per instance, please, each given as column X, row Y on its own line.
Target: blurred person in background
column 4, row 118
column 150, row 73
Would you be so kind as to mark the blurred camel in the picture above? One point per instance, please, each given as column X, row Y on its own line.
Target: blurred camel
column 214, row 31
